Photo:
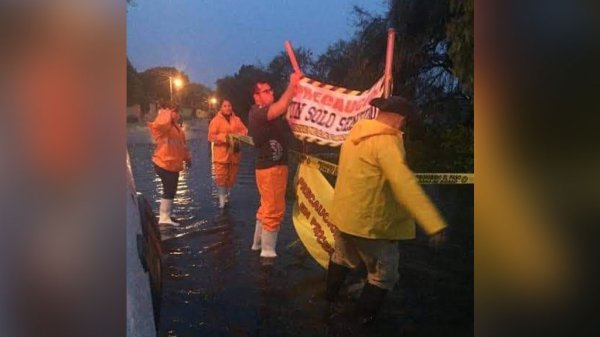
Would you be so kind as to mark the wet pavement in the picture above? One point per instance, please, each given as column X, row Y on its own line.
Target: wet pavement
column 214, row 285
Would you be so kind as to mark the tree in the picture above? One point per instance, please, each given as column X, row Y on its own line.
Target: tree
column 157, row 86
column 280, row 67
column 460, row 37
column 238, row 89
column 424, row 72
column 135, row 90
column 332, row 66
column 433, row 67
column 195, row 95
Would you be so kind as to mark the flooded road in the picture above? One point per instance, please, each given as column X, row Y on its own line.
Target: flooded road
column 214, row 285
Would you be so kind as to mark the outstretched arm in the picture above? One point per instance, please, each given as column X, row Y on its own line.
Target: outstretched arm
column 406, row 189
column 280, row 107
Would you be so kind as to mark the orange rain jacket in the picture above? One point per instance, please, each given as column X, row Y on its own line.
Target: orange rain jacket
column 171, row 149
column 218, row 129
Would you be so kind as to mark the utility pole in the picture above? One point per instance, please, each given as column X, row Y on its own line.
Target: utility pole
column 171, row 89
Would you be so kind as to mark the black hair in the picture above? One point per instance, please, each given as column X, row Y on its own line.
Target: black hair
column 260, row 81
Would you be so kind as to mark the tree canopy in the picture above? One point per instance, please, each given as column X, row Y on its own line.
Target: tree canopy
column 154, row 85
column 433, row 66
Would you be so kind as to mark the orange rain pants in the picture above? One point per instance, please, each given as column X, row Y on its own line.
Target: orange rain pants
column 225, row 174
column 272, row 183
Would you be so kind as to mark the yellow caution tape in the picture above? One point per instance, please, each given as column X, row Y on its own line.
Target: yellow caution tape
column 314, row 162
column 331, row 168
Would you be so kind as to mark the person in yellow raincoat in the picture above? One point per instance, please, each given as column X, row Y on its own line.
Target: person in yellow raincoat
column 226, row 151
column 170, row 154
column 376, row 201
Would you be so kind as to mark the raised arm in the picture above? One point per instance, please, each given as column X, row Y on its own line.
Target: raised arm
column 280, row 107
column 163, row 121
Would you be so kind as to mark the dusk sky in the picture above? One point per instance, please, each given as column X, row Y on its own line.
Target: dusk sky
column 209, row 39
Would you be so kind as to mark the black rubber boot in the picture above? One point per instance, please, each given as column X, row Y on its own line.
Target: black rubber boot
column 369, row 302
column 336, row 274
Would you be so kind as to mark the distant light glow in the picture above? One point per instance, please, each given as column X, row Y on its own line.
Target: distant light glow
column 178, row 82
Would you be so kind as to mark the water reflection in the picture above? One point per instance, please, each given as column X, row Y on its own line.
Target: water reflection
column 214, row 285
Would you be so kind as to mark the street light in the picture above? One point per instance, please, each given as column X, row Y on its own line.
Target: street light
column 178, row 82
column 212, row 104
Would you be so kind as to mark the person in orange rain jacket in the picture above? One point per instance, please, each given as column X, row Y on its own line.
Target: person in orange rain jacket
column 170, row 154
column 226, row 151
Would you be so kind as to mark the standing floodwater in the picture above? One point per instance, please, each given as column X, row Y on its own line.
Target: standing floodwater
column 214, row 285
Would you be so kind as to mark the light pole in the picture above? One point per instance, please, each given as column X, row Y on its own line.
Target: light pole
column 174, row 81
column 213, row 102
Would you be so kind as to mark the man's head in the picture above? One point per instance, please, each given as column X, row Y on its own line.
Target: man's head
column 226, row 108
column 394, row 110
column 263, row 94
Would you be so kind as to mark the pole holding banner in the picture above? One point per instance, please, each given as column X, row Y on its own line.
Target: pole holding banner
column 389, row 57
column 292, row 56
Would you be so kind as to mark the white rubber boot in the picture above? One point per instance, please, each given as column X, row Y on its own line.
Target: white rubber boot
column 257, row 234
column 222, row 191
column 268, row 243
column 164, row 212
column 227, row 194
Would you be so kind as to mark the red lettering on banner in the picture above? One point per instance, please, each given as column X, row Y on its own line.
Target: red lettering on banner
column 315, row 204
column 320, row 235
column 338, row 104
column 329, row 224
column 324, row 97
column 327, row 100
column 319, row 209
column 317, row 96
column 307, row 93
column 350, row 106
column 304, row 210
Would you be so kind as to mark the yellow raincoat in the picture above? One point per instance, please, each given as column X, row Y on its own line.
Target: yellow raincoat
column 376, row 195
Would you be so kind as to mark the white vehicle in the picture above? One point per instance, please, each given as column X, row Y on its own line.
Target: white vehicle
column 144, row 264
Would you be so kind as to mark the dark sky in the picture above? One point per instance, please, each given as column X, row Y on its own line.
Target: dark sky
column 209, row 39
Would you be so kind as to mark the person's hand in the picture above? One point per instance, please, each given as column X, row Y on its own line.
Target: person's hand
column 175, row 117
column 295, row 79
column 437, row 239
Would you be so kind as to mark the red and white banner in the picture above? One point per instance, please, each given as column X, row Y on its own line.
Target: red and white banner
column 324, row 114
